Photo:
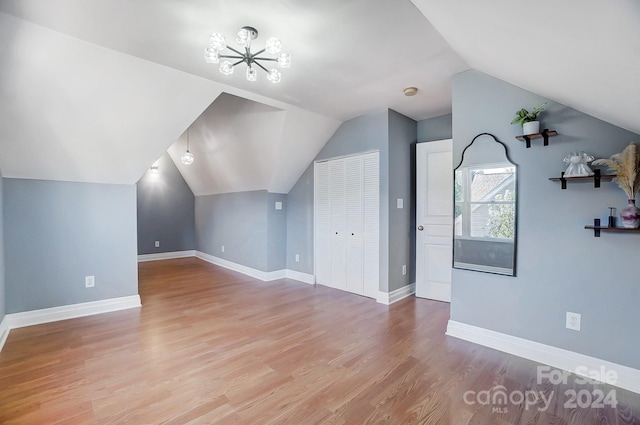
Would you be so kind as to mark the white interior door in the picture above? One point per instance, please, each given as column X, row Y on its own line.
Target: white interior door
column 434, row 219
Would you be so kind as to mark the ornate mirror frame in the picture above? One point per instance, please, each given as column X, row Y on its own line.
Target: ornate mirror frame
column 485, row 208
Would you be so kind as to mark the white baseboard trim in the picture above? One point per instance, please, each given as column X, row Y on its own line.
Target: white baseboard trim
column 166, row 255
column 580, row 364
column 257, row 274
column 4, row 331
column 389, row 298
column 54, row 314
column 299, row 276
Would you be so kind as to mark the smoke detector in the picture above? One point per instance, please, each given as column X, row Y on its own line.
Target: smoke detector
column 410, row 91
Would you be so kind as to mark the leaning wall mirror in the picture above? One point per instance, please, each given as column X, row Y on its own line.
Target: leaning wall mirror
column 485, row 195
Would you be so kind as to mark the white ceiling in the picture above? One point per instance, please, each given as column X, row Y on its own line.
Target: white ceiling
column 582, row 53
column 349, row 57
column 97, row 90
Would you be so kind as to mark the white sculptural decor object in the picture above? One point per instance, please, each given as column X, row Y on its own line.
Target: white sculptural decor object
column 576, row 163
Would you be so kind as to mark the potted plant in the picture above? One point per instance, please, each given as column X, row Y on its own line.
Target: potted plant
column 627, row 168
column 528, row 119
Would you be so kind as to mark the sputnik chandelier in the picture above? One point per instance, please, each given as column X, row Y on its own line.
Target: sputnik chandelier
column 217, row 43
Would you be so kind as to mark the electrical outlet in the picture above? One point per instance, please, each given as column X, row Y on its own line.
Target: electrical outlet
column 157, row 244
column 573, row 321
column 297, row 258
column 222, row 248
column 404, row 269
column 400, row 203
column 278, row 205
column 89, row 281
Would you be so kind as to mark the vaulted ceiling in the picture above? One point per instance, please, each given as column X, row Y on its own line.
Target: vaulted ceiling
column 244, row 145
column 582, row 53
column 98, row 90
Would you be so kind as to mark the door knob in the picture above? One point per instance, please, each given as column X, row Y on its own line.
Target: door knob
column 421, row 228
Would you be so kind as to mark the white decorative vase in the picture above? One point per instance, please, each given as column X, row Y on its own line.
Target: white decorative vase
column 531, row 127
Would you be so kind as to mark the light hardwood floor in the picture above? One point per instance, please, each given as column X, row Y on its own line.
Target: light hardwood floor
column 210, row 346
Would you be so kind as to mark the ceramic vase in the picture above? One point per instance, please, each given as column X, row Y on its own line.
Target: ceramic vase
column 630, row 215
column 531, row 127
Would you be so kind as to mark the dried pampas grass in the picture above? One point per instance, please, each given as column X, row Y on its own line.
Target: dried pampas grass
column 627, row 168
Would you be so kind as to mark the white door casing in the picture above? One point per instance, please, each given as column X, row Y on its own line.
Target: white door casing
column 322, row 224
column 371, row 223
column 434, row 219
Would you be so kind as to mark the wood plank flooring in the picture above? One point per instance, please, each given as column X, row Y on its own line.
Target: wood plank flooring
column 210, row 346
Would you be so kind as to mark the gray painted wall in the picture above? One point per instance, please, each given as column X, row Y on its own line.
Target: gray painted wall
column 300, row 223
column 276, row 232
column 166, row 210
column 438, row 128
column 561, row 267
column 2, row 267
column 56, row 233
column 241, row 222
column 402, row 139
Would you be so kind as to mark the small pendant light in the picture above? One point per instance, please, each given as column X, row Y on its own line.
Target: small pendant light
column 187, row 157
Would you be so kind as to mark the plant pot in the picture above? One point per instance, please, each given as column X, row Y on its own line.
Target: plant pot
column 531, row 127
column 630, row 215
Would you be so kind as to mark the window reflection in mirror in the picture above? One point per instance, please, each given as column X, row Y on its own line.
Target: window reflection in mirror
column 487, row 209
column 485, row 212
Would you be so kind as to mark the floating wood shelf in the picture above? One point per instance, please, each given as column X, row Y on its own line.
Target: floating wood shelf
column 545, row 134
column 597, row 228
column 596, row 177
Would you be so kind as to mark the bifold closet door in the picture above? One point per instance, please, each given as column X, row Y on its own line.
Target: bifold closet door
column 354, row 204
column 346, row 205
column 338, row 203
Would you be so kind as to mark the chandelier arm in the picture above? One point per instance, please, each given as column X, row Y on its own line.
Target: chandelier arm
column 234, row 50
column 231, row 57
column 265, row 69
column 258, row 52
column 266, row 59
column 238, row 63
